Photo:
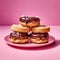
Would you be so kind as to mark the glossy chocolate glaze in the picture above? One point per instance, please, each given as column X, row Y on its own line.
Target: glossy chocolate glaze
column 18, row 35
column 40, row 35
column 29, row 19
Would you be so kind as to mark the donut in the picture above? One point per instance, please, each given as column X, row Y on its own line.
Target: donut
column 41, row 29
column 18, row 37
column 39, row 38
column 29, row 21
column 19, row 34
column 40, row 34
column 20, row 28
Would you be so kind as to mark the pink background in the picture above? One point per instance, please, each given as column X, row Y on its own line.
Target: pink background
column 47, row 10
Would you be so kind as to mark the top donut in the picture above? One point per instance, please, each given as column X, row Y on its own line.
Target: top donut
column 29, row 21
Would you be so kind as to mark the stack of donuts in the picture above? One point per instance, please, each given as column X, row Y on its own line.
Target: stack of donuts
column 29, row 30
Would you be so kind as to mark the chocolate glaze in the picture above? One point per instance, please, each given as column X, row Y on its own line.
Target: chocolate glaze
column 29, row 19
column 18, row 35
column 42, row 26
column 35, row 19
column 40, row 35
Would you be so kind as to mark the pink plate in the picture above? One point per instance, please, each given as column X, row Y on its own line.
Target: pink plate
column 50, row 41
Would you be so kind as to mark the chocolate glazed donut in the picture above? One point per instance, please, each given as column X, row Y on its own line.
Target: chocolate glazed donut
column 29, row 21
column 39, row 38
column 40, row 34
column 18, row 37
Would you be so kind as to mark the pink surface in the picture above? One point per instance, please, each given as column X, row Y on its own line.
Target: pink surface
column 47, row 10
column 51, row 52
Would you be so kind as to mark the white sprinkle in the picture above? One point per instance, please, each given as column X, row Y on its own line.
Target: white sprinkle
column 23, row 18
column 37, row 16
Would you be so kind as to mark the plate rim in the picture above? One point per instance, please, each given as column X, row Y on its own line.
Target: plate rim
column 27, row 45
